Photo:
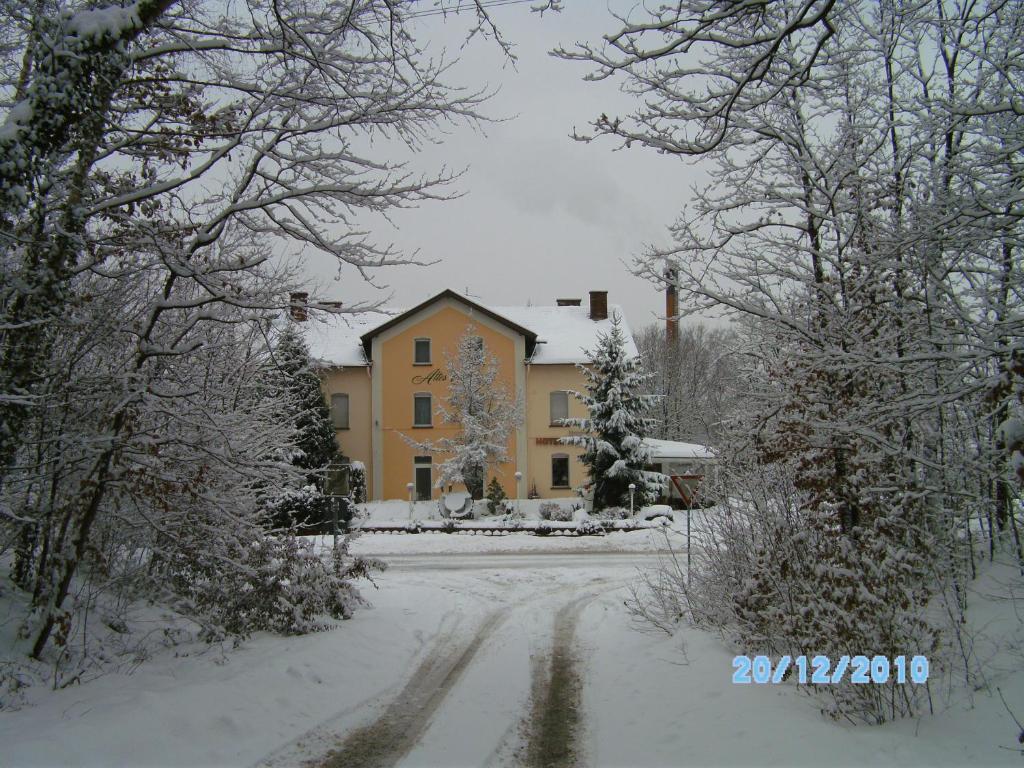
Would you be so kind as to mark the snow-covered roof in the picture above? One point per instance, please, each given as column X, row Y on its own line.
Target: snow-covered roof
column 564, row 334
column 670, row 449
column 334, row 339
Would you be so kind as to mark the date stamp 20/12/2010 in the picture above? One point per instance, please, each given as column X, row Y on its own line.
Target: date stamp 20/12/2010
column 862, row 670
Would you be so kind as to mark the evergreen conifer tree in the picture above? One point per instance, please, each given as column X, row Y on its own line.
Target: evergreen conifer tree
column 315, row 446
column 316, row 442
column 495, row 495
column 613, row 448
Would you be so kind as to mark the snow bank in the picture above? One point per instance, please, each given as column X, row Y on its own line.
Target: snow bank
column 670, row 701
column 200, row 705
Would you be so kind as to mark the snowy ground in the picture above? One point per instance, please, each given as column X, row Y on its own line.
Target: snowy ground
column 475, row 658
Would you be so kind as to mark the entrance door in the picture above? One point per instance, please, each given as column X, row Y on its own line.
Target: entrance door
column 423, row 477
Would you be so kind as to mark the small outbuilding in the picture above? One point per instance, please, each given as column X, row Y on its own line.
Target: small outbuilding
column 685, row 464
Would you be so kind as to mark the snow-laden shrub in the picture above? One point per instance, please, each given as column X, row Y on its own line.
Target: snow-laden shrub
column 780, row 576
column 551, row 510
column 614, row 513
column 495, row 496
column 302, row 508
column 448, row 525
column 542, row 528
column 357, row 482
column 854, row 592
column 588, row 526
column 546, row 508
column 278, row 583
column 512, row 519
column 414, row 526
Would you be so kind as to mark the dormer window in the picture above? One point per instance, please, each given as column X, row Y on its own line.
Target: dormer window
column 421, row 352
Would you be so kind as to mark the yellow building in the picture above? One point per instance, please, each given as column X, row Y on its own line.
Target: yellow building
column 384, row 376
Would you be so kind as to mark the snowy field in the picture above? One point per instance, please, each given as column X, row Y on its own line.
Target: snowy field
column 477, row 656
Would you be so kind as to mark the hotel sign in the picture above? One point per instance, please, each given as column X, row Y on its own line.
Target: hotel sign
column 433, row 377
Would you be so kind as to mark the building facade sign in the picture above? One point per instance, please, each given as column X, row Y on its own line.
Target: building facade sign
column 434, row 377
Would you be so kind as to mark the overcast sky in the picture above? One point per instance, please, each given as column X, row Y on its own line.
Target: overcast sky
column 542, row 216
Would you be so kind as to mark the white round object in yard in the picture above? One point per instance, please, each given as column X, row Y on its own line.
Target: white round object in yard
column 458, row 504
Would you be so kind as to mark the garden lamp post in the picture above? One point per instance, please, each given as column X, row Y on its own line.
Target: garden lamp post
column 410, row 486
column 632, row 487
column 519, row 493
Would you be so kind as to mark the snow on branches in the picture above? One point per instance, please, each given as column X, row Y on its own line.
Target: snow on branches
column 613, row 448
column 480, row 404
column 154, row 156
column 862, row 226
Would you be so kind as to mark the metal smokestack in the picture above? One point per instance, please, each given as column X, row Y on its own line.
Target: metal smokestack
column 671, row 305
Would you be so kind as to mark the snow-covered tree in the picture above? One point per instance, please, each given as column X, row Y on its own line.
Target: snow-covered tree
column 863, row 213
column 121, row 114
column 293, row 372
column 695, row 380
column 862, row 225
column 153, row 157
column 357, row 482
column 483, row 409
column 617, row 422
column 495, row 495
column 293, row 380
column 178, row 514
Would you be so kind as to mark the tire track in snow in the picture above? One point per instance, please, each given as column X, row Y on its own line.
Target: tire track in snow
column 391, row 736
column 555, row 721
column 411, row 709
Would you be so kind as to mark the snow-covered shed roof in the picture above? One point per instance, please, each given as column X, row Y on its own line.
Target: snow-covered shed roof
column 559, row 335
column 670, row 449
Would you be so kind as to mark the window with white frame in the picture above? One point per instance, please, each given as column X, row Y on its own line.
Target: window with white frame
column 559, row 407
column 339, row 410
column 421, row 351
column 560, row 470
column 421, row 408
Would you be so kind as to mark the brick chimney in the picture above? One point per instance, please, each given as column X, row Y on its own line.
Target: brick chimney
column 297, row 306
column 671, row 305
column 569, row 302
column 599, row 305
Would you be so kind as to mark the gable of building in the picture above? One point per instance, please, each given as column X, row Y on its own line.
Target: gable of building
column 554, row 335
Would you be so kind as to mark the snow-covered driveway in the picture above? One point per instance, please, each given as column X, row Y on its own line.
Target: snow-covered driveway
column 472, row 658
column 500, row 683
column 540, row 664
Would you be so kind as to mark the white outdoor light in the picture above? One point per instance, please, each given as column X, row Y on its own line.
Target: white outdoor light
column 519, row 493
column 632, row 487
column 410, row 486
